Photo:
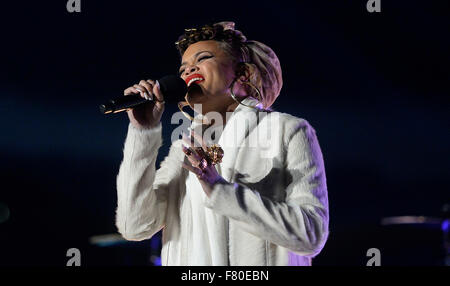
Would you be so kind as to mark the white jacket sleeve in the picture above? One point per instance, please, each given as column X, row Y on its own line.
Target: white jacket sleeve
column 142, row 193
column 300, row 223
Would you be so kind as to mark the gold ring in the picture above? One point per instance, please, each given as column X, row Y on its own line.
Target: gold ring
column 215, row 153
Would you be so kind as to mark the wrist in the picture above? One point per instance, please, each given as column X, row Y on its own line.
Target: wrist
column 219, row 180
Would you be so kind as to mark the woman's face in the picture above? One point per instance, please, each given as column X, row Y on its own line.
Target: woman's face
column 208, row 71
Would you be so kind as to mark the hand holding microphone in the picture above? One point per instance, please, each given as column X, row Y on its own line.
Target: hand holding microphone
column 144, row 102
column 148, row 114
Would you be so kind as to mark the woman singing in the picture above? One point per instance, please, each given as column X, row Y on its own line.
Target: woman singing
column 257, row 196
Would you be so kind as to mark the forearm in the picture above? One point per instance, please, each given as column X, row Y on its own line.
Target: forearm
column 300, row 227
column 140, row 208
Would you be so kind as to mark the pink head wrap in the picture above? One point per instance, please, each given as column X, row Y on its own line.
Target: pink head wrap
column 265, row 59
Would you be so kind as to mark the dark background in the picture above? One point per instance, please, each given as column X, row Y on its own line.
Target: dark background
column 374, row 86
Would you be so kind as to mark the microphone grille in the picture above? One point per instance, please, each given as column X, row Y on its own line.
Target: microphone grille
column 173, row 88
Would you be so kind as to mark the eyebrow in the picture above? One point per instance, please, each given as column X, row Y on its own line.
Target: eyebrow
column 196, row 55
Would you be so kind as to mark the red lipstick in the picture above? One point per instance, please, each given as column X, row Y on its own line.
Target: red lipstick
column 192, row 76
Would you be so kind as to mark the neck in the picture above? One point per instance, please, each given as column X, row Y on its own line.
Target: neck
column 227, row 109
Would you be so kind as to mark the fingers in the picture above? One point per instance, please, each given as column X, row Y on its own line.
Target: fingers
column 144, row 88
column 147, row 88
column 136, row 89
column 194, row 139
column 157, row 91
column 131, row 90
column 199, row 139
column 192, row 169
column 192, row 156
column 191, row 142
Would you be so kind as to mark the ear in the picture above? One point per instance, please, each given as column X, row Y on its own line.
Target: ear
column 246, row 71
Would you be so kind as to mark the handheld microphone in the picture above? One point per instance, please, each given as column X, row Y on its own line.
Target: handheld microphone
column 172, row 87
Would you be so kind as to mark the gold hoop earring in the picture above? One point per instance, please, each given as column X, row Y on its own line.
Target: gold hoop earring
column 249, row 84
column 181, row 105
column 259, row 98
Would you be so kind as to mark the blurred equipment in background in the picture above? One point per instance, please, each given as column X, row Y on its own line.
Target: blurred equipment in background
column 408, row 238
column 113, row 249
column 4, row 212
column 445, row 225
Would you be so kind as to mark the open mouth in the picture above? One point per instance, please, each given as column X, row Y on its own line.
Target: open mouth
column 194, row 78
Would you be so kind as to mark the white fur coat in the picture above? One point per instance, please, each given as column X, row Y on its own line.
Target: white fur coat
column 274, row 211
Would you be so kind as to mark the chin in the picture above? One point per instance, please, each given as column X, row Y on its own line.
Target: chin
column 195, row 95
column 195, row 99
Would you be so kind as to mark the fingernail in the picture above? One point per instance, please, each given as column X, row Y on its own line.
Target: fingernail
column 157, row 85
column 146, row 95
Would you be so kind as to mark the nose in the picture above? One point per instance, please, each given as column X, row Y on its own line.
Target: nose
column 190, row 70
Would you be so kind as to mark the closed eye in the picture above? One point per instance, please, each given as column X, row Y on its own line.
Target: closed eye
column 198, row 60
column 204, row 57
